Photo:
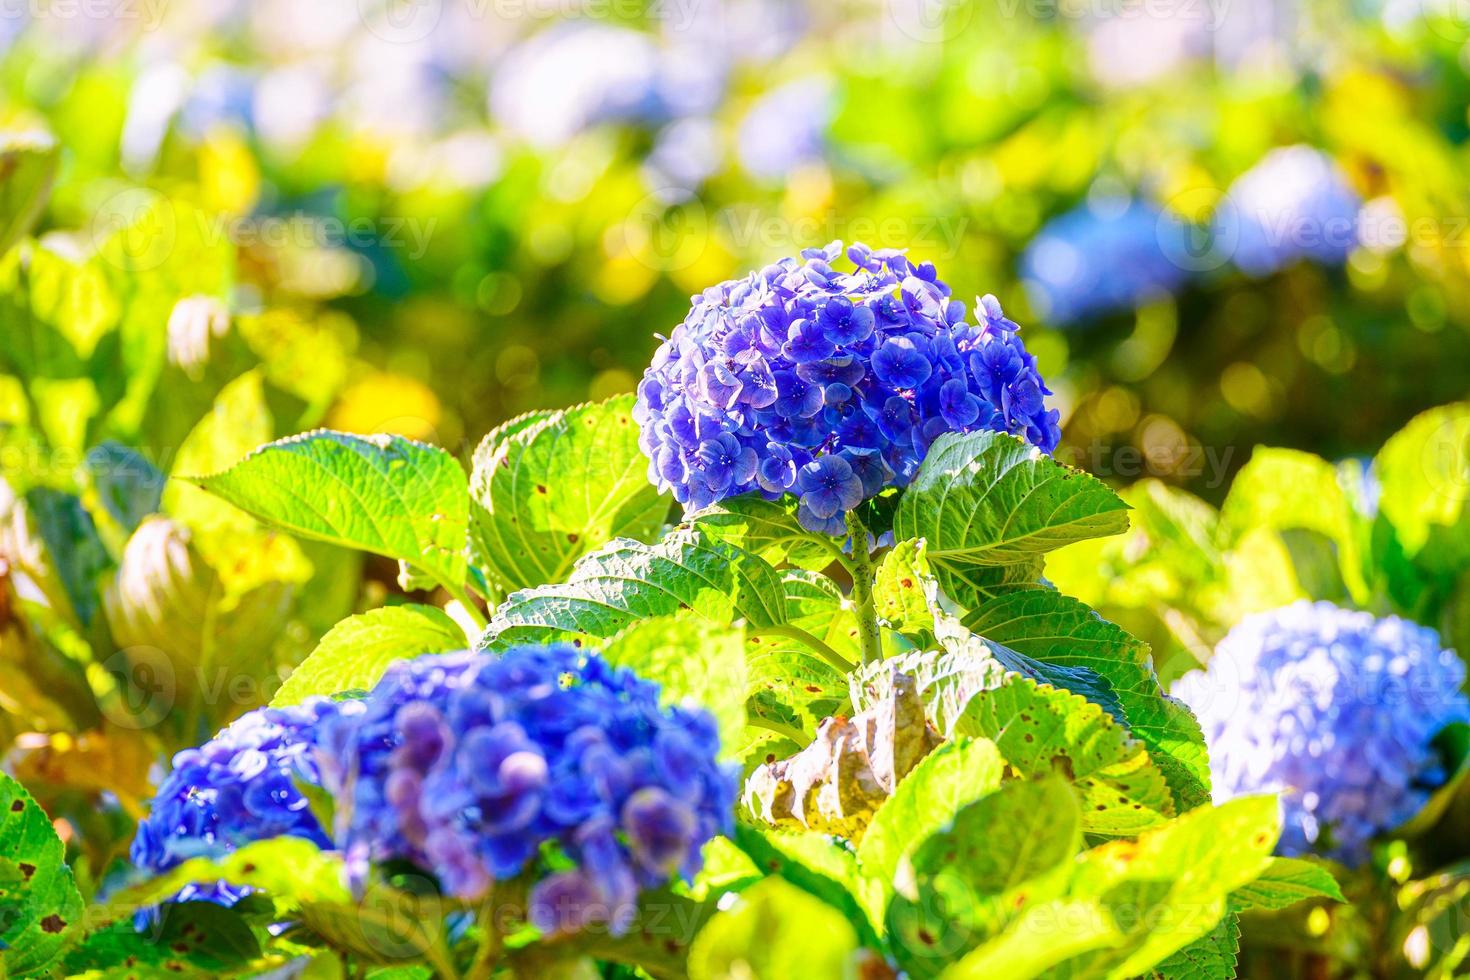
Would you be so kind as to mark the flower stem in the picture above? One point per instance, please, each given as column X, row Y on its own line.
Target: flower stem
column 802, row 636
column 462, row 595
column 862, row 590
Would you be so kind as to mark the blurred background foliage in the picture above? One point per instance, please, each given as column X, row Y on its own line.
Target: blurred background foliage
column 1221, row 224
column 465, row 210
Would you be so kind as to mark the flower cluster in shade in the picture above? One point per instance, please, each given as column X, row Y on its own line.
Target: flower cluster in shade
column 830, row 385
column 1336, row 711
column 477, row 767
column 241, row 786
column 1102, row 257
column 1294, row 204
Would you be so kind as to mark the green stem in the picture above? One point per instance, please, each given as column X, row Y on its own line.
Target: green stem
column 480, row 585
column 462, row 595
column 483, row 966
column 862, row 590
column 802, row 636
column 785, row 731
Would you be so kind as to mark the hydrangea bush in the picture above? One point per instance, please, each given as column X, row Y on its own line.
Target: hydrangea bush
column 830, row 385
column 938, row 747
column 1334, row 710
column 1348, row 702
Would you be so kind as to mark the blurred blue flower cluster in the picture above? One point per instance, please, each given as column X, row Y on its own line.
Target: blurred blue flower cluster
column 786, row 128
column 239, row 787
column 473, row 765
column 1102, row 257
column 1293, row 204
column 563, row 80
column 1336, row 711
column 830, row 385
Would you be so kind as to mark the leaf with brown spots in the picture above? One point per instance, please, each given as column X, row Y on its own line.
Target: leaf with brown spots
column 1041, row 730
column 1007, row 850
column 187, row 939
column 40, row 908
column 1171, row 886
column 549, row 487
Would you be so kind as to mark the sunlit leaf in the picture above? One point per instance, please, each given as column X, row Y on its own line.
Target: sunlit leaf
column 552, row 487
column 356, row 652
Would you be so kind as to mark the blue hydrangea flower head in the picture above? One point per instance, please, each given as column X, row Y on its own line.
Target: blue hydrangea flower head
column 476, row 766
column 1335, row 710
column 830, row 385
column 239, row 787
column 1103, row 257
column 1294, row 204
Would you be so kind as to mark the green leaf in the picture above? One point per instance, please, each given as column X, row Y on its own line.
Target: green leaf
column 775, row 931
column 768, row 528
column 975, row 657
column 548, row 488
column 988, row 498
column 1171, row 886
column 1023, row 832
column 1041, row 730
column 785, row 673
column 947, row 780
column 1424, row 472
column 236, row 425
column 954, row 637
column 292, row 870
column 127, row 485
column 199, row 939
column 898, row 589
column 693, row 662
column 356, row 652
column 815, row 863
column 1043, row 937
column 1210, row 957
column 1286, row 881
column 73, row 545
column 627, row 580
column 386, row 925
column 1286, row 490
column 1049, row 626
column 1005, row 851
column 40, row 908
column 28, row 163
column 385, row 494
